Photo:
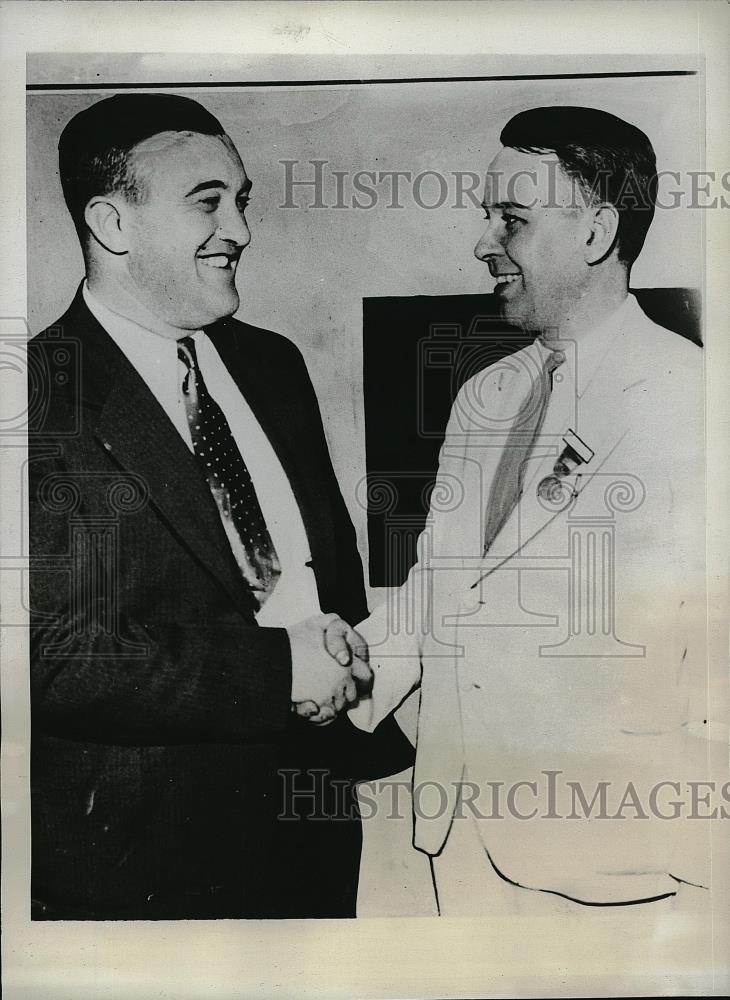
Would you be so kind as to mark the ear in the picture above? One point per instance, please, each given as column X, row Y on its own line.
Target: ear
column 603, row 232
column 105, row 222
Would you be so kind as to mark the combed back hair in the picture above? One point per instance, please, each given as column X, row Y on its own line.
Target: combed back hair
column 94, row 151
column 610, row 159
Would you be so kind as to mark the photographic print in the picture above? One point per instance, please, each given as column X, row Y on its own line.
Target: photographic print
column 362, row 459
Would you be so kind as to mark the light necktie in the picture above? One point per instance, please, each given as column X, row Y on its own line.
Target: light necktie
column 506, row 487
column 228, row 478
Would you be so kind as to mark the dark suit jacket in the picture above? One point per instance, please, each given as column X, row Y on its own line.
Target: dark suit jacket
column 163, row 743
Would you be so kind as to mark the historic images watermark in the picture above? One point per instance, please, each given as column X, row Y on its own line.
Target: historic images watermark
column 318, row 184
column 550, row 795
column 90, row 507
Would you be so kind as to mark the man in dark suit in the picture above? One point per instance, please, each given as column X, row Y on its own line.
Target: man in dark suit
column 187, row 534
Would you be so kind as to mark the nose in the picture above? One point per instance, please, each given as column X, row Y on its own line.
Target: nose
column 233, row 227
column 488, row 245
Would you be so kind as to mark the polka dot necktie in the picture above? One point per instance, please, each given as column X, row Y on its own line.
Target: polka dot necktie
column 506, row 488
column 228, row 478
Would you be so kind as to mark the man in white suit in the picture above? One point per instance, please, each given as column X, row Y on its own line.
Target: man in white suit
column 555, row 618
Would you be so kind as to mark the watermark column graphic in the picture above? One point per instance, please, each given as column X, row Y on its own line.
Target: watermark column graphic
column 479, row 430
column 92, row 564
column 410, row 611
column 13, row 435
column 591, row 541
column 80, row 566
column 29, row 381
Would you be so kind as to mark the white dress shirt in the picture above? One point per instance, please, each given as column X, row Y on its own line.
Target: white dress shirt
column 155, row 359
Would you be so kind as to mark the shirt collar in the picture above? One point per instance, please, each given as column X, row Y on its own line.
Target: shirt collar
column 152, row 355
column 584, row 354
column 120, row 326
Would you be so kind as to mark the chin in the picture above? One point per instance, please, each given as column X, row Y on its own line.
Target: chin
column 232, row 304
column 519, row 314
column 513, row 312
column 221, row 308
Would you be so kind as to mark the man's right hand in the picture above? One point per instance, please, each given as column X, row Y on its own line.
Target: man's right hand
column 329, row 667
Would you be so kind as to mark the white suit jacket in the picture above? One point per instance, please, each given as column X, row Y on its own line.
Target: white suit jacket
column 576, row 667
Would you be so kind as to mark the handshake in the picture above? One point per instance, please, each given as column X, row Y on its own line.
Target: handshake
column 329, row 667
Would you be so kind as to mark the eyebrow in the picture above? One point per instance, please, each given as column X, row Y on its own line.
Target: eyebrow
column 208, row 185
column 506, row 204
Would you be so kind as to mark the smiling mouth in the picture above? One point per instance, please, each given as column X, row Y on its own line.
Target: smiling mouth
column 220, row 261
column 506, row 279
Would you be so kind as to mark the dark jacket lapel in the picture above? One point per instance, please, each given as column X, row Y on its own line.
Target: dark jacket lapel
column 132, row 427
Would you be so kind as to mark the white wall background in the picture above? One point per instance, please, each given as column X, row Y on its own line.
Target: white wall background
column 307, row 270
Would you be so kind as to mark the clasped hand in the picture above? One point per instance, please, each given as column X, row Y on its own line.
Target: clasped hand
column 329, row 667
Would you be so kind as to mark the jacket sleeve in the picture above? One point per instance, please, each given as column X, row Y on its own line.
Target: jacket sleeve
column 103, row 670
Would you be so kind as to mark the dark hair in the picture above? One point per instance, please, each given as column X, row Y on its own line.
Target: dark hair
column 611, row 160
column 94, row 148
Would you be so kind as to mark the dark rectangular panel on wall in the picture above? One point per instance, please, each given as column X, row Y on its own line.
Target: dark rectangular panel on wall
column 417, row 353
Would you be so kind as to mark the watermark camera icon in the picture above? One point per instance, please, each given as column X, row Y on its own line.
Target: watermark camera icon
column 37, row 380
